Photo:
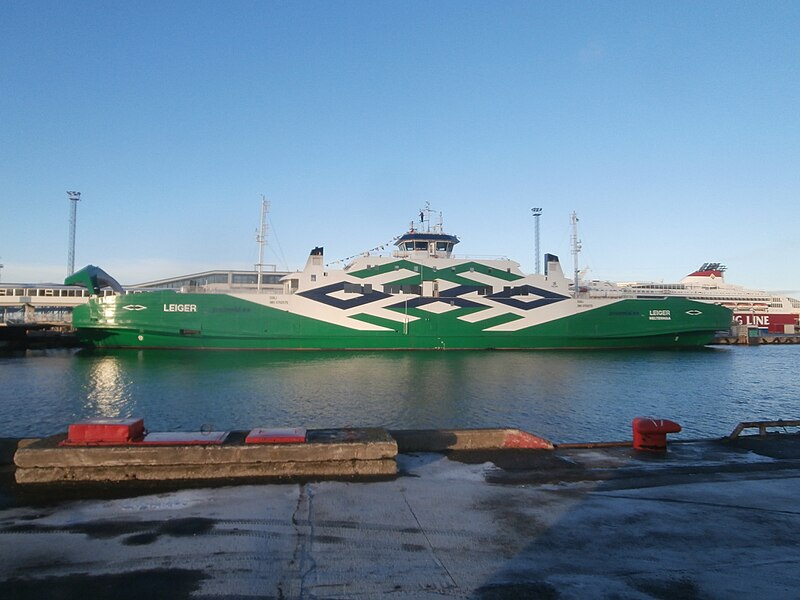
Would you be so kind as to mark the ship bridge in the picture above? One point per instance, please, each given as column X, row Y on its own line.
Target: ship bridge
column 415, row 244
column 430, row 243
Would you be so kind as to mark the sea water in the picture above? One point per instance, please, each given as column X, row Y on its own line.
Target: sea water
column 565, row 396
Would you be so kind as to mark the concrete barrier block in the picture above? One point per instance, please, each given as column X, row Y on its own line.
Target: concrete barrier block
column 266, row 471
column 442, row 440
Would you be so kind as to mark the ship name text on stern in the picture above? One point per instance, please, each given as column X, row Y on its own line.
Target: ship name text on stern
column 180, row 308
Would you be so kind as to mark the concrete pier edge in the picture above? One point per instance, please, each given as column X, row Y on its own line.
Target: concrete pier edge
column 352, row 453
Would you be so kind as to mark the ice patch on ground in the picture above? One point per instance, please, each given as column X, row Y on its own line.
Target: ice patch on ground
column 438, row 466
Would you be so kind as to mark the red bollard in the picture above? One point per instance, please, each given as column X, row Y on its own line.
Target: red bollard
column 651, row 434
column 105, row 432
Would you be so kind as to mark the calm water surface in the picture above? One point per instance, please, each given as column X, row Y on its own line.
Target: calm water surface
column 565, row 396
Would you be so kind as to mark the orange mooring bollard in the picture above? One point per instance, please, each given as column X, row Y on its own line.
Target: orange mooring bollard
column 651, row 434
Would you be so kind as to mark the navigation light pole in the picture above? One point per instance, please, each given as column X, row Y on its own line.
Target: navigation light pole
column 261, row 238
column 576, row 247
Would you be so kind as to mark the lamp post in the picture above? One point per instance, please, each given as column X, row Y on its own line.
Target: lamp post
column 74, row 197
column 537, row 212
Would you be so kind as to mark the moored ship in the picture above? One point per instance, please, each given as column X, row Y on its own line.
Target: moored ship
column 419, row 297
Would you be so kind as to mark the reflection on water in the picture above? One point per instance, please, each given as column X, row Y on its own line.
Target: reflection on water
column 107, row 388
column 567, row 396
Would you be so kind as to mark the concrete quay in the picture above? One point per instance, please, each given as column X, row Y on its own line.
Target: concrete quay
column 709, row 519
column 227, row 456
column 327, row 453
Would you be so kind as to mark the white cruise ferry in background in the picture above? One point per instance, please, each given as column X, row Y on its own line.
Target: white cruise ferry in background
column 770, row 312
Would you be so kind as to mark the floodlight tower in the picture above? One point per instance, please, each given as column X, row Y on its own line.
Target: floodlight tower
column 537, row 212
column 74, row 197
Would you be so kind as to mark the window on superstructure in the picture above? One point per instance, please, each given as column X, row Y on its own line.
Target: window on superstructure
column 402, row 289
column 242, row 278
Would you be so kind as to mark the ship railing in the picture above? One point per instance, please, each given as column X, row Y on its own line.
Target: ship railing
column 606, row 294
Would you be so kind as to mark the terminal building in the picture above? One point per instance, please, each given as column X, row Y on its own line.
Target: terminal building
column 53, row 303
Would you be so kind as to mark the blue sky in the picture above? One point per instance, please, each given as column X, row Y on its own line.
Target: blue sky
column 672, row 128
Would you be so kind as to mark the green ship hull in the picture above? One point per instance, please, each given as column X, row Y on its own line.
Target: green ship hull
column 220, row 321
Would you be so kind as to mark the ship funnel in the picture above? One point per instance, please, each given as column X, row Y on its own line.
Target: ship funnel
column 552, row 267
column 315, row 258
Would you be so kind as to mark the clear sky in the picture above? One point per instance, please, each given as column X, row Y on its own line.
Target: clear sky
column 672, row 128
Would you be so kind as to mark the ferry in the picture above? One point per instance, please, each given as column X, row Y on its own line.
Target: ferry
column 772, row 312
column 419, row 297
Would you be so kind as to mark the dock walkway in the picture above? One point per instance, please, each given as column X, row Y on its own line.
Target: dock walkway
column 710, row 519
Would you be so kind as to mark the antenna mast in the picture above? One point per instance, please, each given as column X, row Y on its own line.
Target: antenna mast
column 261, row 238
column 576, row 247
column 425, row 215
column 74, row 197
